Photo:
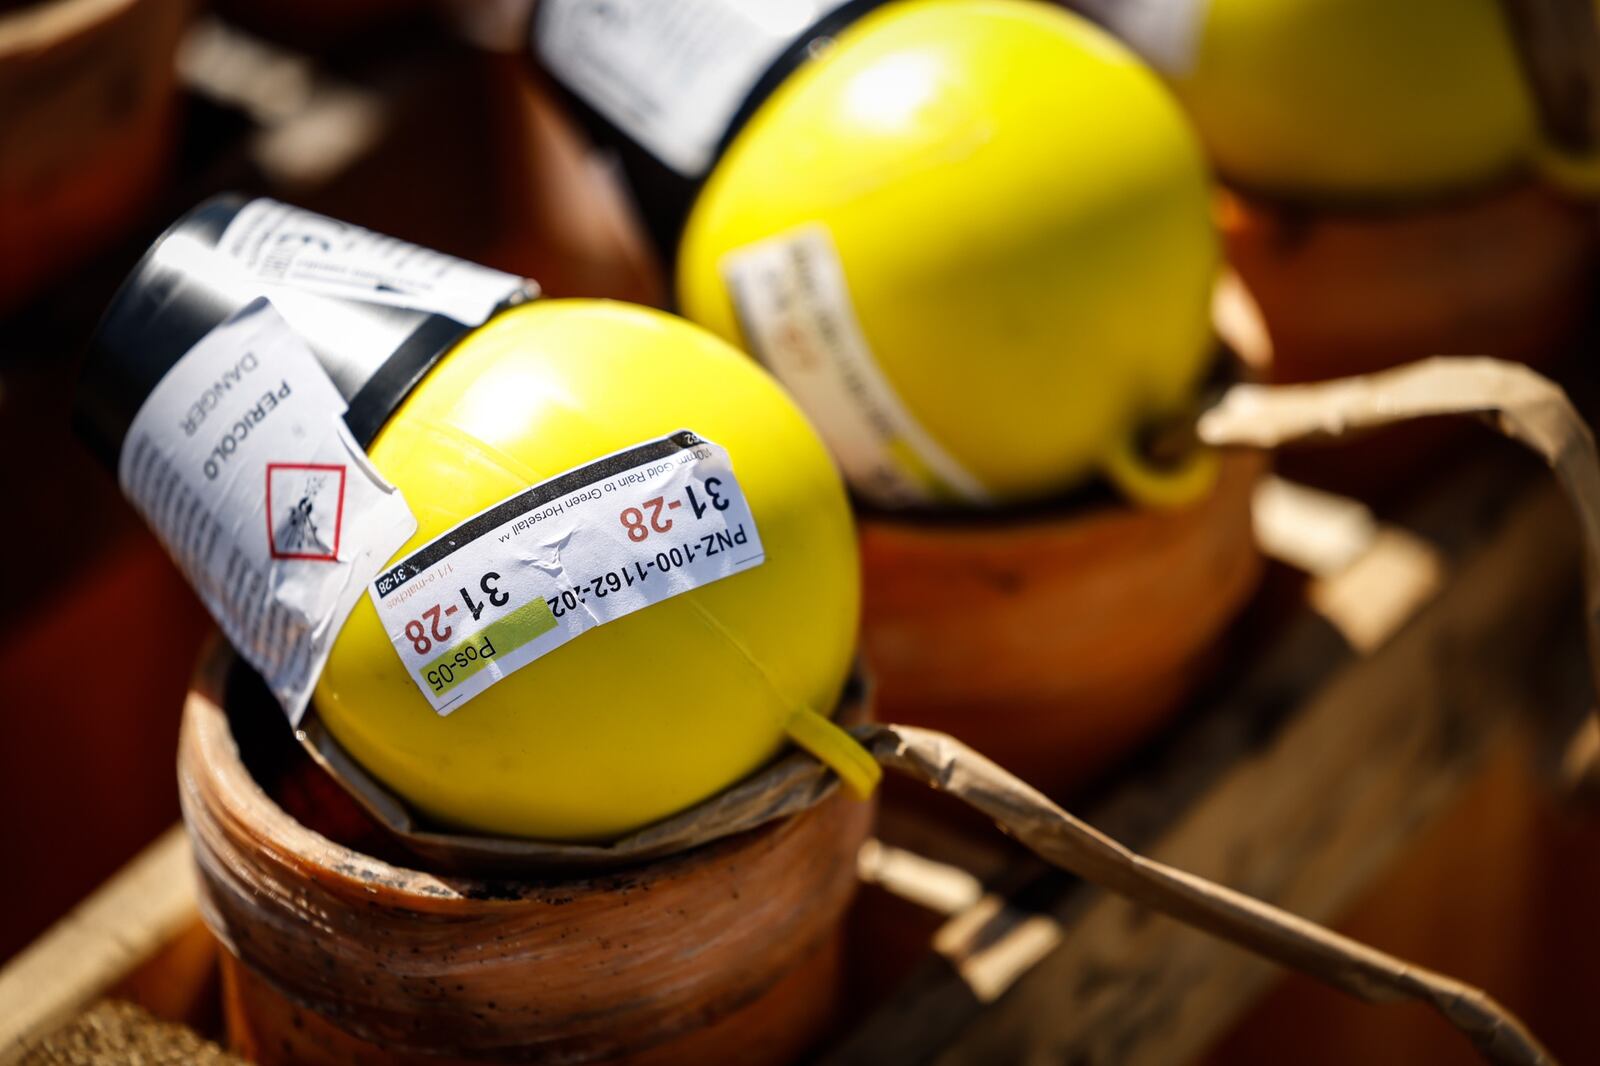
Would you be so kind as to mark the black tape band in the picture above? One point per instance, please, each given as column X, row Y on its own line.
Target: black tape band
column 169, row 302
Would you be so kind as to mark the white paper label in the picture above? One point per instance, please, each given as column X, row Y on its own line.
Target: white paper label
column 671, row 75
column 282, row 245
column 1166, row 33
column 523, row 577
column 795, row 308
column 241, row 463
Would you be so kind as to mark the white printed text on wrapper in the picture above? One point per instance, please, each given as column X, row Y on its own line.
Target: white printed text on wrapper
column 1167, row 33
column 795, row 310
column 669, row 75
column 241, row 463
column 290, row 248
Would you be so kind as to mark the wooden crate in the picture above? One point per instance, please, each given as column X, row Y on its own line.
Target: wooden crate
column 1374, row 695
column 1375, row 691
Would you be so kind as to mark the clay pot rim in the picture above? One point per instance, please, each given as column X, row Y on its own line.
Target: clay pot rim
column 790, row 783
column 1085, row 509
column 237, row 797
column 1520, row 179
column 47, row 22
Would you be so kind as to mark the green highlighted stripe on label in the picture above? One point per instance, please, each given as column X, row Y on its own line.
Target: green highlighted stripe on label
column 526, row 623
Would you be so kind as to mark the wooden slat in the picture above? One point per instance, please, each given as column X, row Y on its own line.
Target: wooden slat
column 147, row 905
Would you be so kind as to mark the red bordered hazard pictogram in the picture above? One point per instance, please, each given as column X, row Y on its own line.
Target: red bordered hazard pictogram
column 305, row 510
